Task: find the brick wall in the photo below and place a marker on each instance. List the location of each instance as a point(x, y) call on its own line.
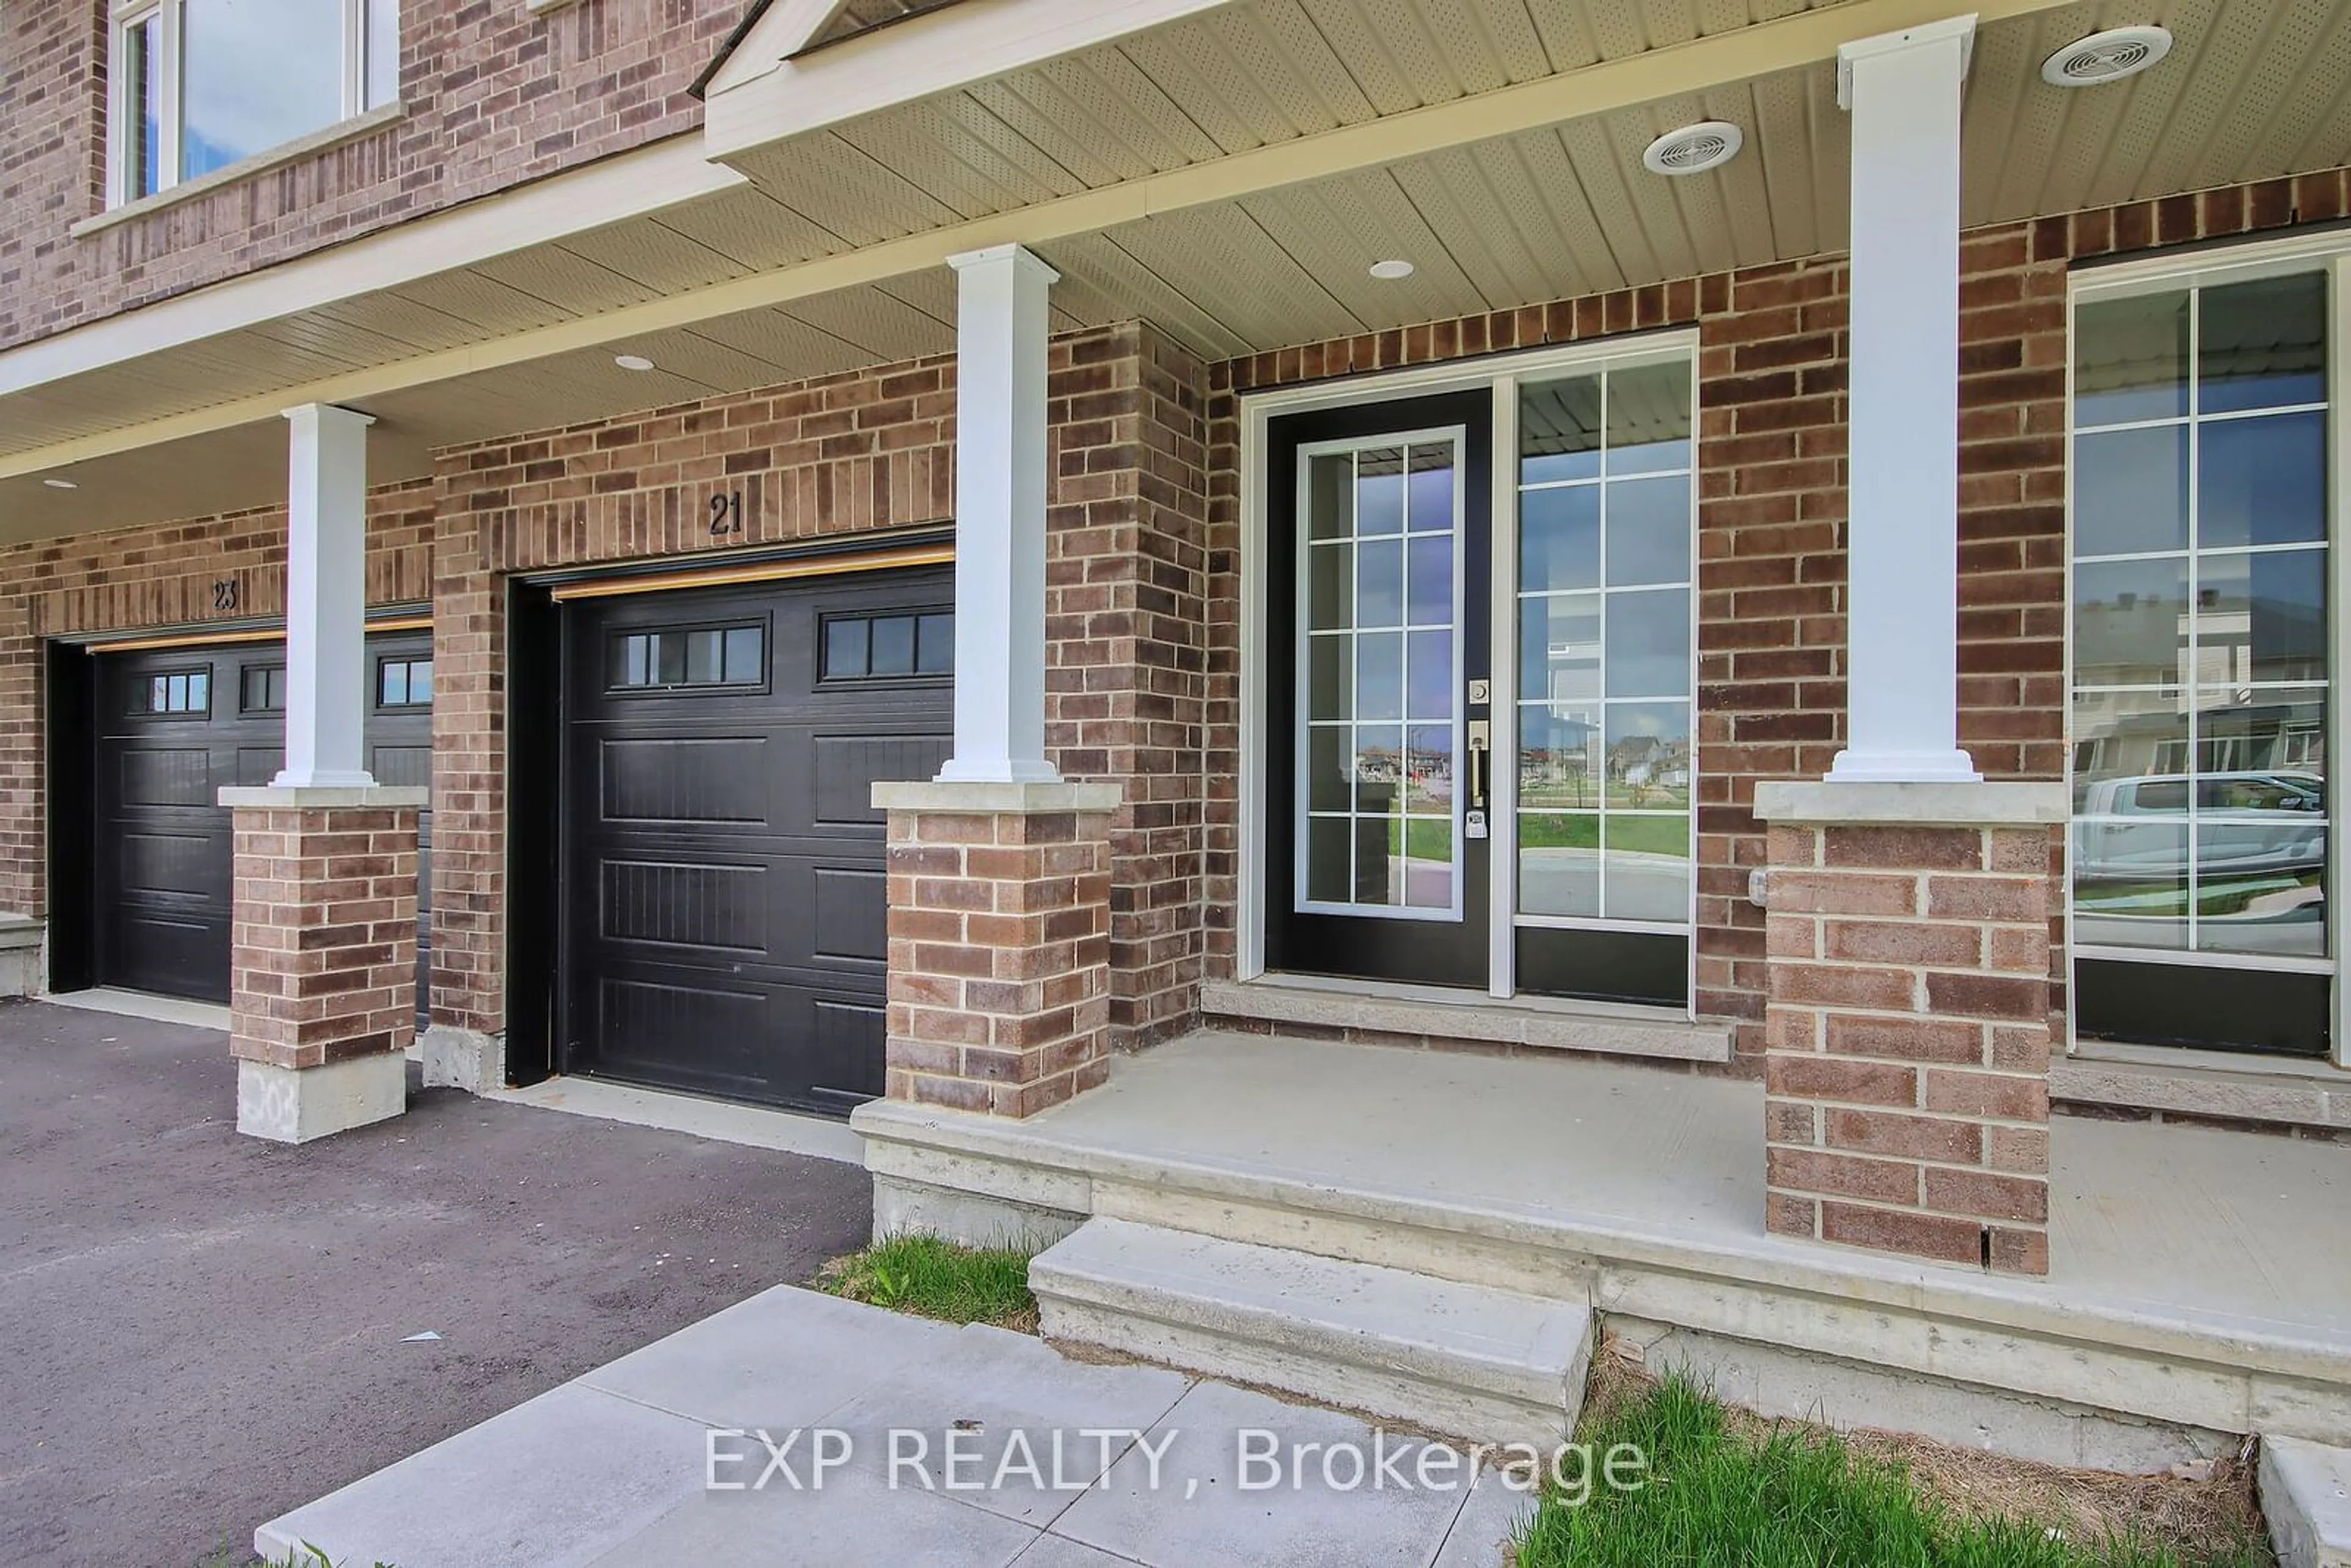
point(495, 97)
point(1907, 1063)
point(870, 449)
point(1125, 608)
point(153, 577)
point(1772, 517)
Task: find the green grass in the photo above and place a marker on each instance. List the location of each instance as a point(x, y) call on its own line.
point(1731, 1494)
point(307, 1556)
point(933, 1278)
point(1651, 835)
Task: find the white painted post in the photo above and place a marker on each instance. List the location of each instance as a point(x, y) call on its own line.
point(326, 600)
point(1001, 324)
point(1903, 538)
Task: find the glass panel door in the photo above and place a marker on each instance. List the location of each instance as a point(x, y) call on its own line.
point(1379, 812)
point(2200, 664)
point(1378, 614)
point(1605, 757)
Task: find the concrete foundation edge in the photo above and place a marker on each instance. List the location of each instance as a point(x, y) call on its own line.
point(290, 1105)
point(974, 1219)
point(1795, 1386)
point(462, 1058)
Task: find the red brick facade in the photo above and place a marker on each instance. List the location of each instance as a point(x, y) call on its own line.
point(1145, 569)
point(154, 578)
point(999, 995)
point(1906, 1066)
point(1771, 512)
point(494, 96)
point(323, 955)
point(869, 450)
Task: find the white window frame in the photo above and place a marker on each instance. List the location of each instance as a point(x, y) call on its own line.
point(2328, 254)
point(122, 106)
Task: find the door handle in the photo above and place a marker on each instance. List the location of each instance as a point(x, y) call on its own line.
point(1481, 743)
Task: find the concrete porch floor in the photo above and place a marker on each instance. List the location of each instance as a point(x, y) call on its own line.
point(2200, 1280)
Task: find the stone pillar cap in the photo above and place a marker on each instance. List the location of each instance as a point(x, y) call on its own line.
point(988, 796)
point(2004, 805)
point(305, 797)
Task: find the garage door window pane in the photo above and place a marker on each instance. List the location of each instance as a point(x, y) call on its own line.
point(845, 650)
point(705, 655)
point(935, 645)
point(894, 645)
point(746, 656)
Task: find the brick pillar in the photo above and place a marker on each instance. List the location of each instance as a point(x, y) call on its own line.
point(999, 942)
point(1906, 1032)
point(322, 1001)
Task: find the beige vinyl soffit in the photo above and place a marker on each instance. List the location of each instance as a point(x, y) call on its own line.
point(1787, 44)
point(612, 190)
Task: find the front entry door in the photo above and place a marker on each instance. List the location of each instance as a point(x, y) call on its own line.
point(1377, 647)
point(1479, 687)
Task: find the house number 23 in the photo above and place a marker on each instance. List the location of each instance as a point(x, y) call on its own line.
point(726, 514)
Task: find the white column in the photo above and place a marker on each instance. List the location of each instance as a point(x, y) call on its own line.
point(1001, 323)
point(1903, 538)
point(326, 600)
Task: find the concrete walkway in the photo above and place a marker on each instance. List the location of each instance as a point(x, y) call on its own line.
point(940, 1447)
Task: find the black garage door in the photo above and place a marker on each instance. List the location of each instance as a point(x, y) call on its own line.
point(723, 903)
point(175, 725)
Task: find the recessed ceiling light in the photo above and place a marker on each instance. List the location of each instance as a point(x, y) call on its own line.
point(632, 362)
point(61, 484)
point(1390, 271)
point(1694, 149)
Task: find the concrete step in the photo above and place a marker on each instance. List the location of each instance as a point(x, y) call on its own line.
point(2306, 1497)
point(1464, 1360)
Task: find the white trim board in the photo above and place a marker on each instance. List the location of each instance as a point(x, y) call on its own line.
point(763, 95)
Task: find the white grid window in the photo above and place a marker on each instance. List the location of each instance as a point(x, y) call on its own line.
point(1606, 753)
point(1379, 589)
point(198, 84)
point(2201, 621)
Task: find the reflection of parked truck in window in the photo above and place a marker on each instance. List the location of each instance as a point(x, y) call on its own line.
point(2136, 828)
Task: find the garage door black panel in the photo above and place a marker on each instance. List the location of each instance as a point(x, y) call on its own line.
point(723, 909)
point(172, 727)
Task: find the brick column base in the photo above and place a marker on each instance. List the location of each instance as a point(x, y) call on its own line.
point(1907, 1031)
point(322, 989)
point(999, 942)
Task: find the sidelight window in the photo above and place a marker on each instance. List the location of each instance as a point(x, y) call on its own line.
point(199, 85)
point(2201, 621)
point(1605, 760)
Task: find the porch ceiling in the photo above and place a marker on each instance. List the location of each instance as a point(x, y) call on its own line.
point(823, 261)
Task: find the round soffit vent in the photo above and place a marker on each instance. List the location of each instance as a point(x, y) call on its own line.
point(2110, 55)
point(1694, 149)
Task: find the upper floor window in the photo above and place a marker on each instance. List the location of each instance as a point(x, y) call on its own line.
point(201, 84)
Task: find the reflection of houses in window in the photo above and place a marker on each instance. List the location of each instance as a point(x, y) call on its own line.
point(1650, 760)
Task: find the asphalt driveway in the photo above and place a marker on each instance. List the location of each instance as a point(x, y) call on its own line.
point(199, 1330)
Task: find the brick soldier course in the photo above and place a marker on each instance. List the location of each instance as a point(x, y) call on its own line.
point(322, 965)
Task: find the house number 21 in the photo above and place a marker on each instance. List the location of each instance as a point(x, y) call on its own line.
point(726, 514)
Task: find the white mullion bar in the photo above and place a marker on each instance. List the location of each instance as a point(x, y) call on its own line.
point(2338, 510)
point(1505, 499)
point(2192, 677)
point(170, 40)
